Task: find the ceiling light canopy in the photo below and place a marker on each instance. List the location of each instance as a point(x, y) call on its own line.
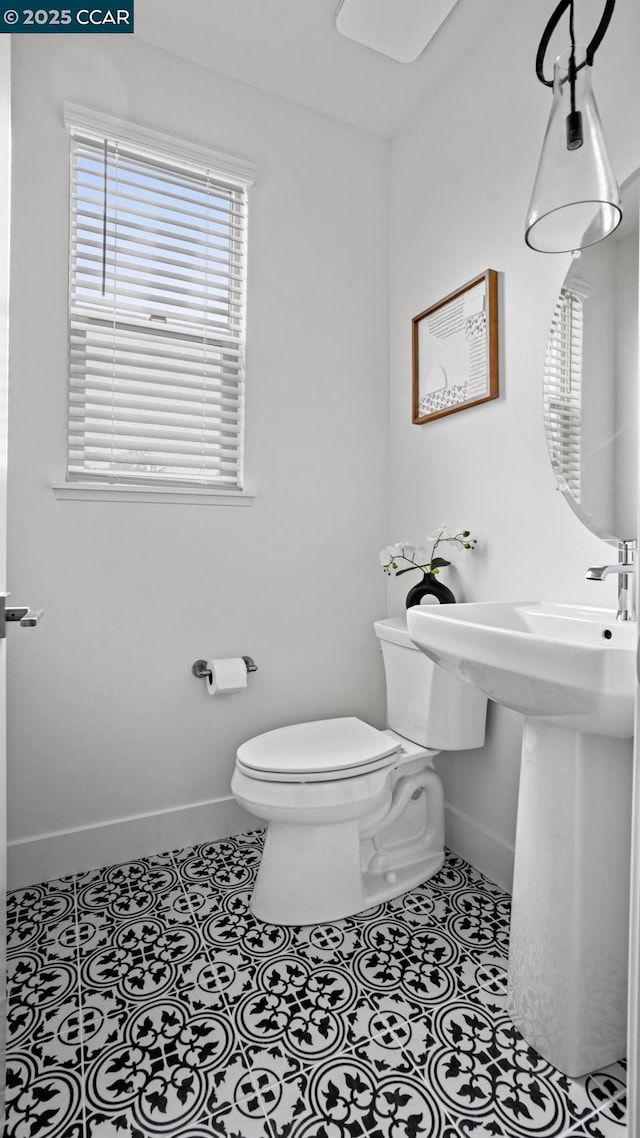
point(400, 29)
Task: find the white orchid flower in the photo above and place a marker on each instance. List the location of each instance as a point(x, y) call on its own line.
point(439, 532)
point(403, 556)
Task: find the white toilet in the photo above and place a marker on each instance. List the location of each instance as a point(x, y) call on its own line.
point(356, 815)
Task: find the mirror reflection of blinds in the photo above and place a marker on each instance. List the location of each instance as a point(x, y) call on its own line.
point(562, 389)
point(157, 326)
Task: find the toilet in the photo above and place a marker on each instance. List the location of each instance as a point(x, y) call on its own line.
point(356, 815)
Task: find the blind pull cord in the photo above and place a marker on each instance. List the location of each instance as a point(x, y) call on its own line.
point(104, 218)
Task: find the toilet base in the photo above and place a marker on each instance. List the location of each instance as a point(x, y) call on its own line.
point(308, 874)
point(312, 873)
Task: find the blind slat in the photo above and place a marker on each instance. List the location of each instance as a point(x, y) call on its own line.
point(119, 193)
point(177, 174)
point(562, 389)
point(139, 457)
point(137, 308)
point(134, 219)
point(150, 333)
point(159, 304)
point(85, 262)
point(129, 351)
point(99, 391)
point(133, 414)
point(190, 424)
point(94, 371)
point(131, 438)
point(139, 477)
point(153, 238)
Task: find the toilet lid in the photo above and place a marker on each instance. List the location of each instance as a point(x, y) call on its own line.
point(323, 747)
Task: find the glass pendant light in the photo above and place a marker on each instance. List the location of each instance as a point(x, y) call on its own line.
point(576, 198)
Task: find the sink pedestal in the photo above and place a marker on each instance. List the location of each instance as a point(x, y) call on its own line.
point(570, 919)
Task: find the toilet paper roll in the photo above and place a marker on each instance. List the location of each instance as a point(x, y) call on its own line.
point(228, 674)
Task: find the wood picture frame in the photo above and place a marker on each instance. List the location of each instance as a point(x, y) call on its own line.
point(455, 350)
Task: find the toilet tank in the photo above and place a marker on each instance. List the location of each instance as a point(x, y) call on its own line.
point(424, 703)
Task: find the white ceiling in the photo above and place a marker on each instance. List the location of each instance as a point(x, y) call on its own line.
point(292, 48)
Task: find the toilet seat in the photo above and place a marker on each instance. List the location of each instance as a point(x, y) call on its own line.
point(320, 751)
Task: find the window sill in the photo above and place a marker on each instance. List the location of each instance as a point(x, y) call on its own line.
point(165, 495)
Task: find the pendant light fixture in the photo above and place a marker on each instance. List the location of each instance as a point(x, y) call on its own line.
point(576, 198)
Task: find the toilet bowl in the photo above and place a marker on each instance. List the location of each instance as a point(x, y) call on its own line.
point(356, 815)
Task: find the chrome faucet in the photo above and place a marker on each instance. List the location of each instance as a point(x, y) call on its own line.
point(625, 569)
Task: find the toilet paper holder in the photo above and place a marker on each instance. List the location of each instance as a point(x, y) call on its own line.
point(201, 671)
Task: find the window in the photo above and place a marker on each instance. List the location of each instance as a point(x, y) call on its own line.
point(157, 308)
point(562, 389)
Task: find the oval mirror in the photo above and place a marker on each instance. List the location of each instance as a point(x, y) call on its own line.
point(591, 379)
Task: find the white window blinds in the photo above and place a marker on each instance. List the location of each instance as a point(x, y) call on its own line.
point(562, 389)
point(157, 314)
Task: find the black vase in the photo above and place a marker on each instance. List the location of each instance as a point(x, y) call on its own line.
point(430, 586)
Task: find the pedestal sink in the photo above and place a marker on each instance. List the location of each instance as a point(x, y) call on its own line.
point(570, 670)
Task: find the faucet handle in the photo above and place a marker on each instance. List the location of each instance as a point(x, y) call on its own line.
point(627, 551)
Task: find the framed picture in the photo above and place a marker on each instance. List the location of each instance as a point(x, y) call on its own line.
point(455, 350)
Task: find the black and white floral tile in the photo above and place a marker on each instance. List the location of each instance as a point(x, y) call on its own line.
point(145, 1000)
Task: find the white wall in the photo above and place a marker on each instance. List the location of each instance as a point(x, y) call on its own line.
point(462, 173)
point(106, 720)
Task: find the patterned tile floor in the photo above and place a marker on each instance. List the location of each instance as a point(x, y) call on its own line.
point(145, 1000)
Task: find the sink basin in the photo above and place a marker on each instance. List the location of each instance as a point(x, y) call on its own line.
point(571, 665)
point(571, 671)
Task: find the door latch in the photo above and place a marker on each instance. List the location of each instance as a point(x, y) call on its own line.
point(25, 617)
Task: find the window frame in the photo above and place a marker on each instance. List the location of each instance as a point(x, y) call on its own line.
point(234, 171)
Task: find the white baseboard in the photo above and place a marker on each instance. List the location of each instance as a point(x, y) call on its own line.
point(484, 849)
point(49, 856)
